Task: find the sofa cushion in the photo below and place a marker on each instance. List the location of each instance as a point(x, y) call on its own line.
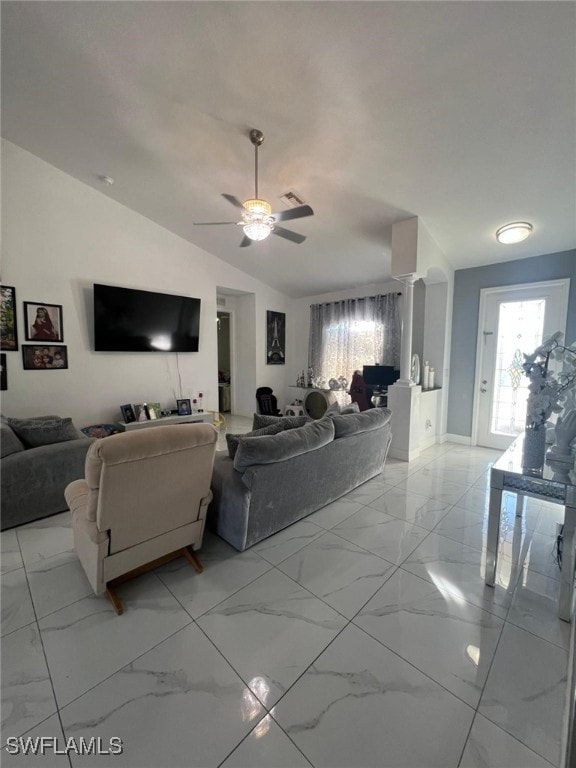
point(232, 440)
point(353, 423)
point(285, 445)
point(288, 422)
point(44, 430)
point(9, 442)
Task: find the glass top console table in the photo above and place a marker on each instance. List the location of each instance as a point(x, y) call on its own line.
point(556, 483)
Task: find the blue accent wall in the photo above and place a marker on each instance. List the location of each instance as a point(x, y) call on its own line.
point(467, 285)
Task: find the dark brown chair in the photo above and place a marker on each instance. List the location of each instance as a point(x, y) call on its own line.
point(267, 402)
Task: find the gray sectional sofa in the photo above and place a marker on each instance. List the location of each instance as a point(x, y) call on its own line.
point(275, 480)
point(39, 458)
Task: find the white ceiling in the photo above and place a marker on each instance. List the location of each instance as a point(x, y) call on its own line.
point(460, 113)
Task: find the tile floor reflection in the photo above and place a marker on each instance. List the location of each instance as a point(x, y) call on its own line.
point(363, 636)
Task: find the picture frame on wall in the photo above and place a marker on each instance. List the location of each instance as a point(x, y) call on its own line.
point(3, 372)
point(8, 322)
point(184, 407)
point(275, 338)
point(43, 357)
point(128, 413)
point(43, 321)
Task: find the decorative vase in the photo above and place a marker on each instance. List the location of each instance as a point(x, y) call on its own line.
point(534, 451)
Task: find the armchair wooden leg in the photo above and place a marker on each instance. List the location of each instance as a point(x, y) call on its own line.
point(193, 559)
point(111, 586)
point(114, 599)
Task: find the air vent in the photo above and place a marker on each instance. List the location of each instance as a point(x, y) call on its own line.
point(293, 199)
point(220, 301)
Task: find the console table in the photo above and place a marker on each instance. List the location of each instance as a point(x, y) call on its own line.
point(507, 475)
point(165, 420)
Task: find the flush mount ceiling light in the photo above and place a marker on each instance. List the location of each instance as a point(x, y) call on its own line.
point(514, 232)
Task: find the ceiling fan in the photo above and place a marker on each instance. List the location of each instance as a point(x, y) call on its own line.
point(258, 221)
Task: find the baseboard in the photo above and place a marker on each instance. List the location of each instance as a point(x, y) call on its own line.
point(428, 442)
point(402, 455)
point(462, 439)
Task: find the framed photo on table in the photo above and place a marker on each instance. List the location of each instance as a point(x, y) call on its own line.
point(141, 412)
point(154, 411)
point(128, 414)
point(8, 328)
point(184, 407)
point(43, 322)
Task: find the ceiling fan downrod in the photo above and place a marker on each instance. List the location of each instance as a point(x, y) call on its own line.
point(256, 137)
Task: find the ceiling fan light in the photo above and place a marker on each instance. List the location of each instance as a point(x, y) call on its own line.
point(260, 207)
point(514, 232)
point(258, 230)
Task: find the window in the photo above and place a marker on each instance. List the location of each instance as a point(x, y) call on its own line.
point(346, 335)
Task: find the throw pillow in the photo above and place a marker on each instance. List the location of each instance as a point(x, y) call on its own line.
point(100, 430)
point(352, 408)
point(9, 443)
point(352, 423)
point(233, 440)
point(334, 408)
point(288, 422)
point(285, 445)
point(45, 430)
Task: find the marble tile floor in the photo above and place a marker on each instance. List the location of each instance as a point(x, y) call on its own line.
point(361, 637)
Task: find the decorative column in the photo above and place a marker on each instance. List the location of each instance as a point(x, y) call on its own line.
point(408, 281)
point(404, 395)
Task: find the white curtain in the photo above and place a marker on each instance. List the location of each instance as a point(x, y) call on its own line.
point(346, 335)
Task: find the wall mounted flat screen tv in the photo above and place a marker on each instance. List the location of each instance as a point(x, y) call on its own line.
point(128, 320)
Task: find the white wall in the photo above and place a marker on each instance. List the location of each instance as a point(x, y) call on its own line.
point(244, 351)
point(59, 237)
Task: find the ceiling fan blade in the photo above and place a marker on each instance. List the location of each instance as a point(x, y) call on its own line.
point(245, 241)
point(293, 213)
point(234, 201)
point(288, 235)
point(211, 223)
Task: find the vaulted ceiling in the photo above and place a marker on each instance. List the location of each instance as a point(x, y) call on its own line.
point(460, 113)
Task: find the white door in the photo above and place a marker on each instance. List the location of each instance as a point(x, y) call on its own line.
point(513, 320)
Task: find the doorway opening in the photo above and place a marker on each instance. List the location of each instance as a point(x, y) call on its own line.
point(224, 362)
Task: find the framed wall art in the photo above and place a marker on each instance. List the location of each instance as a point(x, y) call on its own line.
point(44, 357)
point(275, 338)
point(43, 322)
point(8, 327)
